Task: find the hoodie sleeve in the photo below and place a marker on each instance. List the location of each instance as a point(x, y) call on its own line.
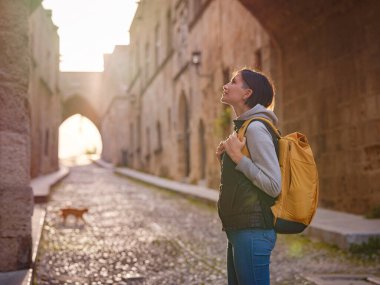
point(263, 168)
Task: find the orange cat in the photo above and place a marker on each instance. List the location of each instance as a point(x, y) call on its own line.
point(78, 213)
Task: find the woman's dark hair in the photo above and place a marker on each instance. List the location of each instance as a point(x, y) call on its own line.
point(261, 86)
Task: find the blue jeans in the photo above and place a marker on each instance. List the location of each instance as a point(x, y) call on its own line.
point(248, 256)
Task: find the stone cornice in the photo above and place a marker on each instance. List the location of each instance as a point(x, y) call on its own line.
point(44, 83)
point(199, 14)
point(134, 80)
point(182, 70)
point(114, 99)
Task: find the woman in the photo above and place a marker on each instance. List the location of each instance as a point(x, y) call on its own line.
point(249, 186)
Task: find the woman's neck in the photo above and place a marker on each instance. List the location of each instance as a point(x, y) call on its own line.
point(239, 110)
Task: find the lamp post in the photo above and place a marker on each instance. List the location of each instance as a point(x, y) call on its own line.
point(196, 60)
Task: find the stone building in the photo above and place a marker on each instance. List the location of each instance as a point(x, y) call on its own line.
point(114, 121)
point(16, 197)
point(44, 93)
point(175, 116)
point(321, 57)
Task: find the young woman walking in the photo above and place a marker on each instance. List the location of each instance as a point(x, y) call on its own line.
point(249, 185)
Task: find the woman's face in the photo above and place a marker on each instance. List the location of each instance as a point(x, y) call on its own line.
point(233, 92)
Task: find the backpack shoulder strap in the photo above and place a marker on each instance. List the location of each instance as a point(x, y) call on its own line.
point(266, 122)
point(270, 124)
point(270, 127)
point(243, 128)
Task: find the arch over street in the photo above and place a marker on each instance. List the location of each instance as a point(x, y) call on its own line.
point(77, 104)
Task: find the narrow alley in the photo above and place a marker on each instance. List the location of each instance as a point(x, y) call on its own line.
point(124, 112)
point(138, 234)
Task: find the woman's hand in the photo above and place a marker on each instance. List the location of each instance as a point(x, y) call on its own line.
point(233, 147)
point(219, 151)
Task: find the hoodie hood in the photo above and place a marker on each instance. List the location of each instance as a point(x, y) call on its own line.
point(259, 111)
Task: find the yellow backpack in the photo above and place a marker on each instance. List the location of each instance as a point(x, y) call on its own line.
point(296, 205)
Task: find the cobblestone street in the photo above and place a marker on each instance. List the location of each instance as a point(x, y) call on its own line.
point(137, 234)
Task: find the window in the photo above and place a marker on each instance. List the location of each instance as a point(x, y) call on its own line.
point(197, 6)
point(46, 149)
point(169, 31)
point(182, 31)
point(137, 57)
point(139, 131)
point(147, 153)
point(147, 61)
point(202, 149)
point(169, 119)
point(157, 45)
point(258, 60)
point(159, 137)
point(131, 137)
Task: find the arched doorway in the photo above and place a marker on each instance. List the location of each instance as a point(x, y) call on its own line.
point(183, 137)
point(202, 150)
point(79, 140)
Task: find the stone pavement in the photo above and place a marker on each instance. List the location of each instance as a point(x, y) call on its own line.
point(133, 235)
point(139, 234)
point(333, 227)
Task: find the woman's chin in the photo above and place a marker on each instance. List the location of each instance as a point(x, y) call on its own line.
point(224, 100)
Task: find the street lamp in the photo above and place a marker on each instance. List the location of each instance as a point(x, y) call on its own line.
point(196, 59)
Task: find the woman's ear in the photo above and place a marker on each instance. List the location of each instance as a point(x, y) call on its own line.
point(248, 93)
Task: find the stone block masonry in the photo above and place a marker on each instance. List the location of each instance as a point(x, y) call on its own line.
point(15, 194)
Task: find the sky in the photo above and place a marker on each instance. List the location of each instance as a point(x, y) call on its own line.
point(90, 28)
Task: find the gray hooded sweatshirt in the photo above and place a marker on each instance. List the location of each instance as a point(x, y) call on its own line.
point(263, 168)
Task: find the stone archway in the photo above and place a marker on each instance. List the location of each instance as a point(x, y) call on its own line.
point(183, 137)
point(77, 104)
point(79, 136)
point(328, 73)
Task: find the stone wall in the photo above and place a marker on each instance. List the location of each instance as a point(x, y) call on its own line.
point(175, 112)
point(16, 198)
point(114, 128)
point(331, 91)
point(81, 94)
point(114, 122)
point(114, 78)
point(44, 93)
point(321, 57)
